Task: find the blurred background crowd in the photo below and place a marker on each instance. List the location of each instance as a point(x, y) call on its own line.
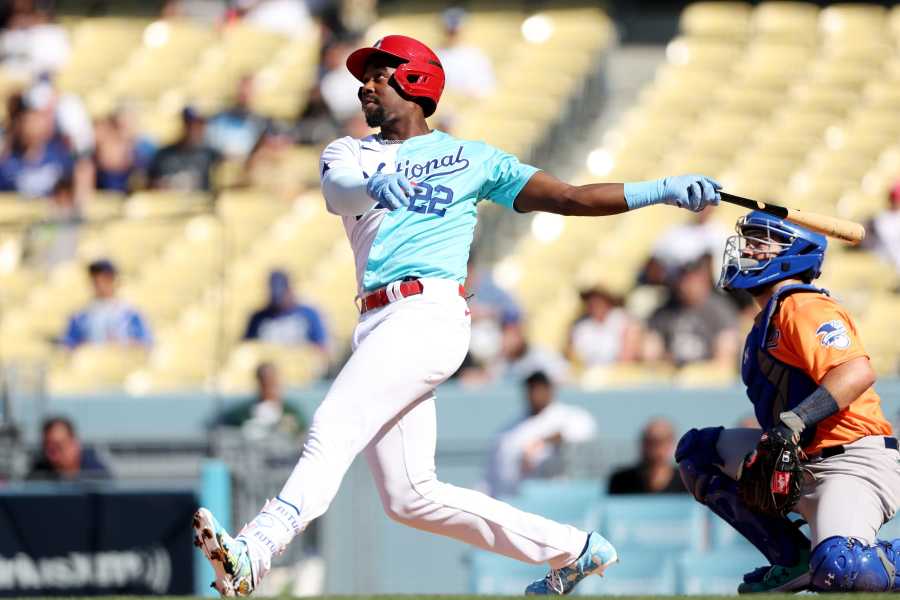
point(164, 248)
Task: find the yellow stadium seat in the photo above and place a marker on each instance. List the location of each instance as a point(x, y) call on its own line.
point(729, 20)
point(705, 374)
point(626, 376)
point(796, 22)
point(851, 21)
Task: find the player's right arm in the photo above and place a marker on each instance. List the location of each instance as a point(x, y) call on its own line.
point(546, 193)
point(349, 191)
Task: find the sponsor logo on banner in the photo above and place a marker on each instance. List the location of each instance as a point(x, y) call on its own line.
point(833, 334)
point(127, 569)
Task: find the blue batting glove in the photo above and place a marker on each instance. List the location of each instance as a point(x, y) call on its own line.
point(390, 190)
point(693, 192)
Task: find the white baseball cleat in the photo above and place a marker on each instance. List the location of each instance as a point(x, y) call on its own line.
point(230, 558)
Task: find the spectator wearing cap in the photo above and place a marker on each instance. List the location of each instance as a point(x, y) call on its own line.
point(885, 228)
point(35, 157)
point(655, 472)
point(695, 324)
point(467, 69)
point(63, 457)
point(531, 446)
point(605, 334)
point(234, 132)
point(284, 320)
point(187, 164)
point(107, 319)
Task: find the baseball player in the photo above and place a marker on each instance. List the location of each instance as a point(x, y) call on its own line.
point(407, 199)
point(810, 383)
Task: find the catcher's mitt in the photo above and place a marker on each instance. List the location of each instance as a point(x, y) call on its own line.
point(772, 476)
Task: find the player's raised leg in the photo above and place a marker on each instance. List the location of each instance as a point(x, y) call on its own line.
point(401, 459)
point(404, 350)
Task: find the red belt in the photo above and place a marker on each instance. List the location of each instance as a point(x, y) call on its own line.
point(398, 289)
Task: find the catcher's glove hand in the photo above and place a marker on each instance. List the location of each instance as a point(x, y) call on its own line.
point(772, 476)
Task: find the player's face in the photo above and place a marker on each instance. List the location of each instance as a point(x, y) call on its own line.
point(379, 99)
point(759, 245)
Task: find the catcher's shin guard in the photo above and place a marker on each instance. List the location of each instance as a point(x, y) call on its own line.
point(779, 540)
point(840, 564)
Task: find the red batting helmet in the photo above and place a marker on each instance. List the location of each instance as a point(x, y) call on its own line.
point(420, 75)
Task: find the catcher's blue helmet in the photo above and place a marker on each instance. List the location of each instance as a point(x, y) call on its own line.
point(768, 249)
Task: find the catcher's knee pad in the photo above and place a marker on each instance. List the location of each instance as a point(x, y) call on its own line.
point(697, 458)
point(841, 564)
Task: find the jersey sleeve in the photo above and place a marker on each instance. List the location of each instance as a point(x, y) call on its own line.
point(506, 177)
point(339, 154)
point(817, 336)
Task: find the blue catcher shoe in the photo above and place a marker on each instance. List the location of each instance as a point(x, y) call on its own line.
point(598, 555)
point(230, 558)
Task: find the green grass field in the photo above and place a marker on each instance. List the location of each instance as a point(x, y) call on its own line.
point(437, 597)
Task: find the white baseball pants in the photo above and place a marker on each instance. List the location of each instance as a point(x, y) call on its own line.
point(382, 403)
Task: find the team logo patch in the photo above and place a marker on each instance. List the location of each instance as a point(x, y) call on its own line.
point(773, 337)
point(833, 334)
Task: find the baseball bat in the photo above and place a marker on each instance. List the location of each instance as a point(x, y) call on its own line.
point(842, 229)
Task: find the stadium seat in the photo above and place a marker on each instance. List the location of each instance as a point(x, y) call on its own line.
point(576, 502)
point(642, 570)
point(728, 20)
point(496, 575)
point(715, 573)
point(723, 538)
point(661, 522)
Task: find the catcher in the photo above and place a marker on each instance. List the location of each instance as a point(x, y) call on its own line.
point(826, 450)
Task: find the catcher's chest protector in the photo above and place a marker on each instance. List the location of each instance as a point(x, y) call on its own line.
point(772, 385)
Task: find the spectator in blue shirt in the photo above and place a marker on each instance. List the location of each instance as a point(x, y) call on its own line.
point(234, 132)
point(107, 319)
point(35, 158)
point(284, 320)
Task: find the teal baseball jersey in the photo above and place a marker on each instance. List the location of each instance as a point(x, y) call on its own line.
point(431, 237)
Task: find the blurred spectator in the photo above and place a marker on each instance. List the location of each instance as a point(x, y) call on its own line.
point(235, 132)
point(107, 319)
point(338, 87)
point(63, 458)
point(35, 158)
point(885, 228)
point(287, 17)
point(530, 447)
point(655, 473)
point(696, 324)
point(187, 164)
point(122, 156)
point(266, 167)
point(208, 12)
point(266, 413)
point(491, 309)
point(748, 422)
point(31, 42)
point(605, 334)
point(689, 242)
point(519, 358)
point(55, 240)
point(284, 320)
point(467, 69)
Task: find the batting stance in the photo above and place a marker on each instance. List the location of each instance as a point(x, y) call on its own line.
point(826, 451)
point(407, 199)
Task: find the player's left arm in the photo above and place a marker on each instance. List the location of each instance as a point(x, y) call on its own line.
point(823, 337)
point(546, 193)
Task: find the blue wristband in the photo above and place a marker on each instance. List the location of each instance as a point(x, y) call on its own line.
point(639, 194)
